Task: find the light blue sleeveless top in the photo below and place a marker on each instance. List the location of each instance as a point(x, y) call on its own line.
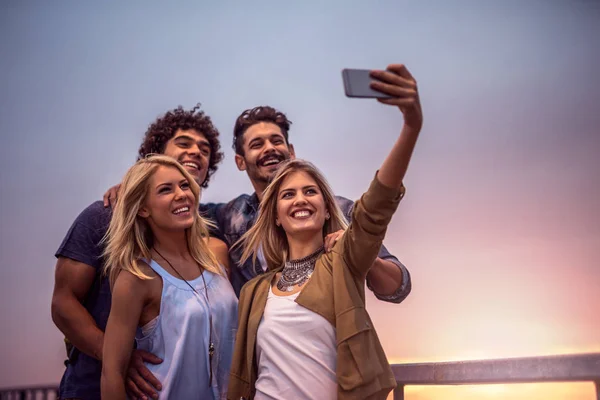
point(180, 336)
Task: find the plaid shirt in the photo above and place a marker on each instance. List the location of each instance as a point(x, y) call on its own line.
point(236, 217)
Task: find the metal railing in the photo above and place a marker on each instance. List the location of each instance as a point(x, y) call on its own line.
point(563, 368)
point(29, 393)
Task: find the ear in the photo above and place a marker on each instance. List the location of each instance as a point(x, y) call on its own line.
point(240, 162)
point(277, 222)
point(292, 152)
point(327, 216)
point(143, 212)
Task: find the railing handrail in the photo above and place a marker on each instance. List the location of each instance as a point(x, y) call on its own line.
point(559, 368)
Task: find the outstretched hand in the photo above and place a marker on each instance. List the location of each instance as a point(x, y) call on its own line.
point(397, 81)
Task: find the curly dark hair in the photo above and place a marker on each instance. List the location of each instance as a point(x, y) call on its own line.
point(254, 116)
point(165, 127)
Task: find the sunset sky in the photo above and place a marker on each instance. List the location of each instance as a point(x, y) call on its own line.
point(499, 227)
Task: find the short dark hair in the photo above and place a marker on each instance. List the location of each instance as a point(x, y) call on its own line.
point(166, 126)
point(254, 116)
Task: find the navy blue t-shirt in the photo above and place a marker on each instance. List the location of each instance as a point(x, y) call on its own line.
point(82, 243)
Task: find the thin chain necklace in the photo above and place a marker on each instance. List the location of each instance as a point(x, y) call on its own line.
point(296, 272)
point(211, 346)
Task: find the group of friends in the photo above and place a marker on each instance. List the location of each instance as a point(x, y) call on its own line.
point(263, 297)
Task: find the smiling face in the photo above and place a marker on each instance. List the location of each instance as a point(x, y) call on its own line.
point(264, 149)
point(192, 150)
point(300, 205)
point(169, 203)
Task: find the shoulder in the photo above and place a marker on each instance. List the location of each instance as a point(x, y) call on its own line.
point(257, 282)
point(346, 205)
point(344, 202)
point(83, 240)
point(240, 203)
point(93, 218)
point(129, 284)
point(95, 214)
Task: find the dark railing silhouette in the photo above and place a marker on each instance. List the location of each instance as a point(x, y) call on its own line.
point(29, 393)
point(562, 368)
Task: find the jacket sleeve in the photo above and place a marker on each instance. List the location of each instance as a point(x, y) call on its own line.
point(347, 207)
point(372, 213)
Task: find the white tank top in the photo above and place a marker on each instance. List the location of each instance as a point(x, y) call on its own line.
point(296, 352)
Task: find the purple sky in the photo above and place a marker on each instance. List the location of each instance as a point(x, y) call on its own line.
point(499, 226)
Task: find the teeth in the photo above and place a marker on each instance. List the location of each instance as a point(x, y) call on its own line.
point(189, 164)
point(180, 210)
point(271, 161)
point(300, 214)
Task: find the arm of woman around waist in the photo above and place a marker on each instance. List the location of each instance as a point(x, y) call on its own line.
point(128, 298)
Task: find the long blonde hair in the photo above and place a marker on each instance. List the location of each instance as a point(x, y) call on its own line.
point(129, 237)
point(273, 238)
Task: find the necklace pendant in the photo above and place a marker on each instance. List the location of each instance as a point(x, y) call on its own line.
point(211, 349)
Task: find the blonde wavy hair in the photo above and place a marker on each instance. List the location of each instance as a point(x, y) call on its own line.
point(129, 237)
point(271, 237)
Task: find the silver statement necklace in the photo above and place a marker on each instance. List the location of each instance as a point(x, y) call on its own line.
point(296, 272)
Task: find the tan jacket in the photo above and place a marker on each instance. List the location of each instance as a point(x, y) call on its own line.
point(336, 291)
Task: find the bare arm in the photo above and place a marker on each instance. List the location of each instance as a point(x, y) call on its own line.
point(72, 281)
point(128, 299)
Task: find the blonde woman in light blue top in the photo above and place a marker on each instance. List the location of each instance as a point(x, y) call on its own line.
point(166, 281)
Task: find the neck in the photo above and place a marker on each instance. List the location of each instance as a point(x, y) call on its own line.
point(173, 244)
point(301, 246)
point(259, 188)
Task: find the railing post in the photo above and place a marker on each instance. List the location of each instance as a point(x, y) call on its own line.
point(399, 392)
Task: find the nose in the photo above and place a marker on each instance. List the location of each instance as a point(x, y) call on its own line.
point(194, 149)
point(299, 199)
point(269, 146)
point(179, 193)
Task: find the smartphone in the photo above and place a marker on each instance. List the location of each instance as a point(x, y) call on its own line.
point(357, 84)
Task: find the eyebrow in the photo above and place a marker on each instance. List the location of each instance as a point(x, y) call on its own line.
point(269, 136)
point(169, 184)
point(191, 139)
point(303, 188)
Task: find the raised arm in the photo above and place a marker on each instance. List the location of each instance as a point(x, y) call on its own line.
point(374, 210)
point(128, 299)
point(397, 81)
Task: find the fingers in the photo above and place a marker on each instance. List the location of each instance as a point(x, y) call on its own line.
point(331, 240)
point(135, 390)
point(393, 78)
point(149, 357)
point(400, 102)
point(401, 70)
point(393, 90)
point(106, 198)
point(140, 381)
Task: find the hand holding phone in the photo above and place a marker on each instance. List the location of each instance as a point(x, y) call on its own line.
point(357, 84)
